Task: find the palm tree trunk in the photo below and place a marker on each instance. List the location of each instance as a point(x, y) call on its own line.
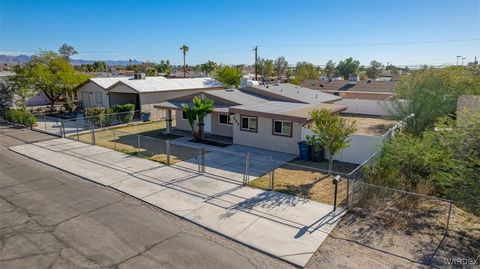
point(184, 66)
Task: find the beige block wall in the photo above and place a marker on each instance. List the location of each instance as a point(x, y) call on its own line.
point(91, 88)
point(181, 124)
point(264, 138)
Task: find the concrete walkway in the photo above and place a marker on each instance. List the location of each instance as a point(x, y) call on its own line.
point(284, 226)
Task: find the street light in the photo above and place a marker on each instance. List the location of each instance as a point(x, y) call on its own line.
point(458, 57)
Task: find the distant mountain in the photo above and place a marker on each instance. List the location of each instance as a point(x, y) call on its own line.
point(9, 59)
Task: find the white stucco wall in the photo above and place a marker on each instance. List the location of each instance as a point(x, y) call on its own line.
point(360, 149)
point(367, 107)
point(90, 89)
point(264, 138)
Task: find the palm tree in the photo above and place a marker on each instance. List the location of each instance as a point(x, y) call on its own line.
point(208, 67)
point(197, 111)
point(184, 50)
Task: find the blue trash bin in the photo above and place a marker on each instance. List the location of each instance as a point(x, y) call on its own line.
point(303, 151)
point(145, 116)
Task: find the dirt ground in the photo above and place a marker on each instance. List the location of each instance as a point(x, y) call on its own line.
point(381, 236)
point(370, 125)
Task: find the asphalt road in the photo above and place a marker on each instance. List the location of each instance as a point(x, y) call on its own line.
point(51, 219)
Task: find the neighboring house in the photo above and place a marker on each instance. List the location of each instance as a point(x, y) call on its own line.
point(268, 117)
point(360, 89)
point(142, 91)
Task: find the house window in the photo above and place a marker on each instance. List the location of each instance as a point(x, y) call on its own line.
point(184, 115)
point(226, 119)
point(248, 124)
point(281, 127)
point(98, 97)
point(75, 96)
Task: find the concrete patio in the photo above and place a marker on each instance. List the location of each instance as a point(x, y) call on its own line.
point(281, 225)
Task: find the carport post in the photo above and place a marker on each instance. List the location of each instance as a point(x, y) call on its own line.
point(168, 121)
point(199, 156)
point(167, 148)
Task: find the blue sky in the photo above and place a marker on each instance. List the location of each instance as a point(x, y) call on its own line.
point(400, 32)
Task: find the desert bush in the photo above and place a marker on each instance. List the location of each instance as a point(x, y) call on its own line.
point(20, 116)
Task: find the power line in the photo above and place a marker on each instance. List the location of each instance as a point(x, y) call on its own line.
point(374, 44)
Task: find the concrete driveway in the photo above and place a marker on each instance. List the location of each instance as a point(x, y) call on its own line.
point(230, 162)
point(53, 219)
point(285, 226)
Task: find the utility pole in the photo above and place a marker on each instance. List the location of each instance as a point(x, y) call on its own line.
point(463, 58)
point(256, 65)
point(458, 57)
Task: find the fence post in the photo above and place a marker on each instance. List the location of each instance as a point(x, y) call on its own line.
point(448, 219)
point(45, 121)
point(167, 148)
point(62, 128)
point(336, 179)
point(245, 175)
point(93, 134)
point(272, 179)
point(199, 156)
point(114, 140)
point(348, 192)
point(203, 159)
point(76, 129)
point(138, 140)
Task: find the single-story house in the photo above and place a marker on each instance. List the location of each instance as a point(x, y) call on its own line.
point(142, 91)
point(272, 117)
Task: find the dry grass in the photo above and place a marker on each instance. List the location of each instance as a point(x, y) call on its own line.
point(126, 141)
point(371, 125)
point(303, 182)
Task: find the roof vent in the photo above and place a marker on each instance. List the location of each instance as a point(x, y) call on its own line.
point(369, 81)
point(139, 76)
point(316, 95)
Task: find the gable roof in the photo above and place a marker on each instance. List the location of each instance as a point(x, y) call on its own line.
point(107, 82)
point(157, 84)
point(292, 93)
point(279, 110)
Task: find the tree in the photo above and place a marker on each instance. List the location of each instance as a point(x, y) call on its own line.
point(305, 70)
point(331, 132)
point(208, 67)
point(374, 70)
point(66, 51)
point(196, 113)
point(430, 94)
point(265, 68)
point(164, 67)
point(281, 66)
point(330, 69)
point(99, 66)
point(229, 76)
point(51, 74)
point(348, 67)
point(151, 72)
point(6, 94)
point(184, 50)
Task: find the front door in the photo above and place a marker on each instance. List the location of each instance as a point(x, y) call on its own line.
point(207, 128)
point(86, 99)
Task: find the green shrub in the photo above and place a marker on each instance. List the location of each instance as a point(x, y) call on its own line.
point(102, 117)
point(125, 112)
point(20, 117)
